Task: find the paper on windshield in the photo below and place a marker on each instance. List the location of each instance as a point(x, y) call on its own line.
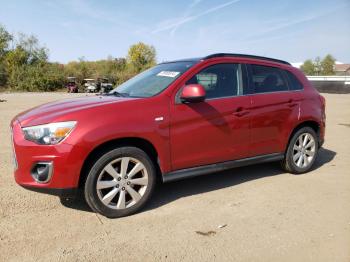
point(168, 73)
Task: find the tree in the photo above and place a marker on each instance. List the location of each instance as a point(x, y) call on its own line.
point(39, 77)
point(5, 39)
point(80, 69)
point(141, 56)
point(327, 65)
point(28, 69)
point(308, 68)
point(30, 44)
point(27, 52)
point(16, 58)
point(318, 65)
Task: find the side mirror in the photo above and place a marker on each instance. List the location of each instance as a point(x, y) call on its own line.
point(193, 93)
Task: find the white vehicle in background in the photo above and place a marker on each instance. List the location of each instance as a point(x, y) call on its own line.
point(90, 85)
point(105, 85)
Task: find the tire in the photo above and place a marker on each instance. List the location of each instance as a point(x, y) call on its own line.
point(120, 182)
point(299, 158)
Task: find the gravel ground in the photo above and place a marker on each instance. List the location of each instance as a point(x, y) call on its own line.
point(264, 213)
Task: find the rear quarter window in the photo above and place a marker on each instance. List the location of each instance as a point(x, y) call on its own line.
point(294, 83)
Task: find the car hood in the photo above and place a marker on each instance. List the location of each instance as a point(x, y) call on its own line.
point(55, 110)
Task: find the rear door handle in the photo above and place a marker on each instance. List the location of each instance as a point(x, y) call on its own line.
point(240, 111)
point(291, 103)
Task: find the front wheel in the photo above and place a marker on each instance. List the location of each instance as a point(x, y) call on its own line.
point(302, 151)
point(120, 182)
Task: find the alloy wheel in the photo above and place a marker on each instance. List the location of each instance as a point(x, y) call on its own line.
point(122, 183)
point(304, 150)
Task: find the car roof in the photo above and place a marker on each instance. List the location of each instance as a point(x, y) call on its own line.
point(193, 59)
point(216, 55)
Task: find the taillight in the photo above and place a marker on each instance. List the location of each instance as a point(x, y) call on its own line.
point(323, 101)
point(323, 104)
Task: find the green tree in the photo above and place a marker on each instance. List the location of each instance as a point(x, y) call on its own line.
point(318, 65)
point(308, 68)
point(16, 57)
point(30, 44)
point(80, 69)
point(327, 65)
point(141, 56)
point(5, 39)
point(3, 74)
point(28, 68)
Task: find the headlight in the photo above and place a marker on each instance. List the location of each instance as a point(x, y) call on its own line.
point(49, 134)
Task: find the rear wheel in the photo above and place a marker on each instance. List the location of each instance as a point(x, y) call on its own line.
point(120, 182)
point(302, 151)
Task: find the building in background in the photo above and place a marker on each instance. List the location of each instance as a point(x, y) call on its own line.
point(342, 69)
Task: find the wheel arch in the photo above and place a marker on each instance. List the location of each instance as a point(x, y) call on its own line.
point(307, 123)
point(99, 150)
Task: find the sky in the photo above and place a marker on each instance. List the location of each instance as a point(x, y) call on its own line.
point(293, 30)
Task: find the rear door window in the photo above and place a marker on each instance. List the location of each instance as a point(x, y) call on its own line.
point(267, 79)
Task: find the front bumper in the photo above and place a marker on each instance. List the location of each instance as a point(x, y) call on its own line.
point(66, 159)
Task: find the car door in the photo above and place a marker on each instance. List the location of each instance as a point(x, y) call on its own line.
point(217, 129)
point(272, 107)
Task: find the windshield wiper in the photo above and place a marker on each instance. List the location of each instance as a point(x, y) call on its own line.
point(116, 93)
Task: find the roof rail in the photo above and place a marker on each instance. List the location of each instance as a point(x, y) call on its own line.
point(246, 56)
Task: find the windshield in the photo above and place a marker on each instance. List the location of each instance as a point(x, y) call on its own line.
point(153, 80)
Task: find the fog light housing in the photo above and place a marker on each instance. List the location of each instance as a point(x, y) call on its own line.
point(42, 172)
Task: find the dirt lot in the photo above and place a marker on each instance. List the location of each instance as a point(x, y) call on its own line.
point(269, 215)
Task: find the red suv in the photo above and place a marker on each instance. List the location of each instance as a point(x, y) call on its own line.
point(176, 120)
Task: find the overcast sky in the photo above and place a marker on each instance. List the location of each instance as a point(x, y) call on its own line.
point(292, 30)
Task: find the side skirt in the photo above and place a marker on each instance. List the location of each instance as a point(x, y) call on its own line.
point(212, 168)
